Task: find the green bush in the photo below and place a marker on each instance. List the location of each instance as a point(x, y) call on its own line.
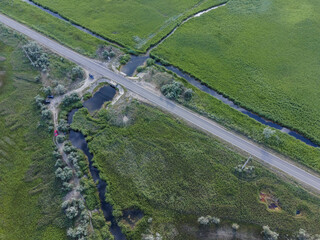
point(172, 90)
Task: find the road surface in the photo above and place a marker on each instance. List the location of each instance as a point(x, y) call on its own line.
point(205, 124)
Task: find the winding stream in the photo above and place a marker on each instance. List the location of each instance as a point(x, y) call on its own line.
point(78, 140)
point(136, 61)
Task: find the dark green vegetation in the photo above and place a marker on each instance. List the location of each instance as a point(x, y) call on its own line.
point(134, 23)
point(210, 107)
point(30, 198)
point(261, 53)
point(176, 174)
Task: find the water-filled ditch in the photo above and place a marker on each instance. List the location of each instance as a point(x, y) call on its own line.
point(78, 140)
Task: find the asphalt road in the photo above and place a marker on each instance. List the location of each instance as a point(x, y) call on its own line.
point(170, 106)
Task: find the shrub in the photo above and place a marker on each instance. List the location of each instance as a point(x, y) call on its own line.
point(215, 220)
point(124, 59)
point(77, 73)
point(46, 114)
point(63, 126)
point(235, 226)
point(59, 163)
point(172, 90)
point(150, 62)
point(60, 138)
point(140, 69)
point(65, 174)
point(268, 234)
point(268, 132)
point(203, 220)
point(47, 91)
point(188, 94)
point(303, 235)
point(70, 99)
point(39, 101)
point(56, 155)
point(60, 89)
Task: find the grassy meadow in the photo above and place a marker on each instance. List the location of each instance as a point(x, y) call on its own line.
point(175, 174)
point(136, 24)
point(263, 54)
point(30, 197)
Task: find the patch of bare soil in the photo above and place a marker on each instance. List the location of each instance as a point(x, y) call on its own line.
point(271, 201)
point(2, 59)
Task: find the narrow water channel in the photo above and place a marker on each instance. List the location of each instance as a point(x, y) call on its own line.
point(78, 140)
point(227, 101)
point(136, 61)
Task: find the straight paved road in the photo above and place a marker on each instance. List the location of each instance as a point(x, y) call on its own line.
point(169, 106)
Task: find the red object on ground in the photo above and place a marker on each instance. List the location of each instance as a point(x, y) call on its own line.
point(56, 133)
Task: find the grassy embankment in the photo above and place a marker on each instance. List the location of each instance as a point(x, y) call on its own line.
point(176, 174)
point(262, 54)
point(134, 24)
point(30, 197)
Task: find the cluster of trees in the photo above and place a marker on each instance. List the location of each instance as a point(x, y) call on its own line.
point(176, 89)
point(75, 208)
point(46, 114)
point(37, 57)
point(206, 220)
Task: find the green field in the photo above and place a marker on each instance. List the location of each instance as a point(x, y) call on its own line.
point(261, 53)
point(56, 29)
point(134, 23)
point(30, 197)
point(176, 174)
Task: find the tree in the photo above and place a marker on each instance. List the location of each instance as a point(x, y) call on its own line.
point(268, 234)
point(60, 89)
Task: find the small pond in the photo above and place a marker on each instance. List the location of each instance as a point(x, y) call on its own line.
point(104, 94)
